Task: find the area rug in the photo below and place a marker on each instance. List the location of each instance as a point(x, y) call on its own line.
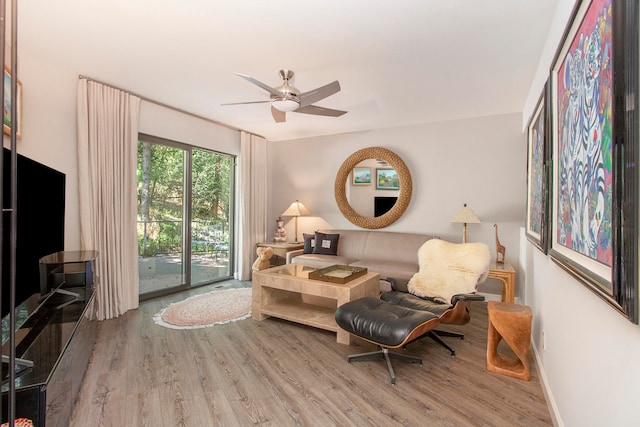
point(203, 311)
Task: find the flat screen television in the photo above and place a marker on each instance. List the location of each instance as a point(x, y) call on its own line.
point(40, 223)
point(382, 205)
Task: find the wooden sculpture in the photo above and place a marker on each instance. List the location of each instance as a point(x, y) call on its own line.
point(500, 250)
point(510, 323)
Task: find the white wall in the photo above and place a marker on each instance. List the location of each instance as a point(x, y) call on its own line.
point(590, 361)
point(166, 123)
point(478, 161)
point(49, 128)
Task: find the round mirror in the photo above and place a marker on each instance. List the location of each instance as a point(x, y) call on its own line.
point(404, 194)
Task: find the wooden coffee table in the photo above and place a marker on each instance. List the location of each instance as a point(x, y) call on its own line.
point(287, 293)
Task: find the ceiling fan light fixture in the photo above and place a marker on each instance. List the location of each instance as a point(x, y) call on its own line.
point(285, 105)
point(287, 98)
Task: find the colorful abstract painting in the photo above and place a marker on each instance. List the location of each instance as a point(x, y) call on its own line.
point(584, 152)
point(536, 173)
point(6, 116)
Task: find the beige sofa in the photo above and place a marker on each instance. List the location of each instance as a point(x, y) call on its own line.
point(390, 254)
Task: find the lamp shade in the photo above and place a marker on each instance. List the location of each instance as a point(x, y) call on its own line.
point(296, 209)
point(466, 216)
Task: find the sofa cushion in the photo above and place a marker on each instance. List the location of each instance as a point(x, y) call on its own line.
point(384, 245)
point(326, 244)
point(380, 245)
point(309, 243)
point(396, 269)
point(352, 243)
point(321, 261)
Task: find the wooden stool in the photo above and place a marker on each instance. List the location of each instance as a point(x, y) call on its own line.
point(511, 323)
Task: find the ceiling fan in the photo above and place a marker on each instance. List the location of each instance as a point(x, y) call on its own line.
point(286, 98)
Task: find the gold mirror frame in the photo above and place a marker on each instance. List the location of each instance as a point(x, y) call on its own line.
point(404, 197)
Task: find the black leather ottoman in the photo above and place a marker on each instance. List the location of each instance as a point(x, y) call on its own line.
point(386, 325)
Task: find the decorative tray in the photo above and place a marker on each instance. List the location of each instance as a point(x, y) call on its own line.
point(338, 273)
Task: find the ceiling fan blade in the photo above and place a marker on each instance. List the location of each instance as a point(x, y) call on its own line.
point(269, 89)
point(278, 116)
point(320, 111)
point(249, 102)
point(315, 95)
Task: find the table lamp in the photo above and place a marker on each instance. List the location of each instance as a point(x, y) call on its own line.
point(295, 210)
point(465, 216)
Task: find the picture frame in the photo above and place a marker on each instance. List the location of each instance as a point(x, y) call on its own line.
point(387, 179)
point(6, 117)
point(361, 176)
point(594, 154)
point(537, 214)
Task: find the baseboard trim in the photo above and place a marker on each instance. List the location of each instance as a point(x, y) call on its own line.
point(548, 394)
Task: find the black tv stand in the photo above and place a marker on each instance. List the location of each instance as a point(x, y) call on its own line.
point(21, 362)
point(63, 270)
point(54, 339)
point(21, 366)
point(61, 297)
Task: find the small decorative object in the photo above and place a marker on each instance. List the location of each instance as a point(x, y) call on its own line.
point(280, 234)
point(500, 250)
point(264, 255)
point(20, 422)
point(464, 216)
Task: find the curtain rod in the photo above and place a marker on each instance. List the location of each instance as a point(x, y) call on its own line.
point(162, 104)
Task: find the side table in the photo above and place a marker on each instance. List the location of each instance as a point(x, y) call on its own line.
point(507, 275)
point(280, 250)
point(510, 323)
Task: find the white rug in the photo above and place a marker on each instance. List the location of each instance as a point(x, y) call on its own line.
point(203, 311)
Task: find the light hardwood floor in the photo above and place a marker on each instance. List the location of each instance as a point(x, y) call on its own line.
point(276, 373)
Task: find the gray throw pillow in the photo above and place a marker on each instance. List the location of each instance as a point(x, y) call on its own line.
point(326, 244)
point(309, 243)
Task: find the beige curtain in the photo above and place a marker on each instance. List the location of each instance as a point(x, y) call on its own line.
point(107, 156)
point(252, 201)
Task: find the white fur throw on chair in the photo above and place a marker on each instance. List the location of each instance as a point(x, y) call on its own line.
point(447, 269)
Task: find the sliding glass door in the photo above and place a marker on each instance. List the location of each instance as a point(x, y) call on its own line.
point(185, 202)
point(160, 216)
point(211, 214)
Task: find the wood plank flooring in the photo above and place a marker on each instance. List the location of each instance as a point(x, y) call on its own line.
point(277, 373)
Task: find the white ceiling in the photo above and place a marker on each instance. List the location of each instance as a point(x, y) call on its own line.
point(399, 63)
